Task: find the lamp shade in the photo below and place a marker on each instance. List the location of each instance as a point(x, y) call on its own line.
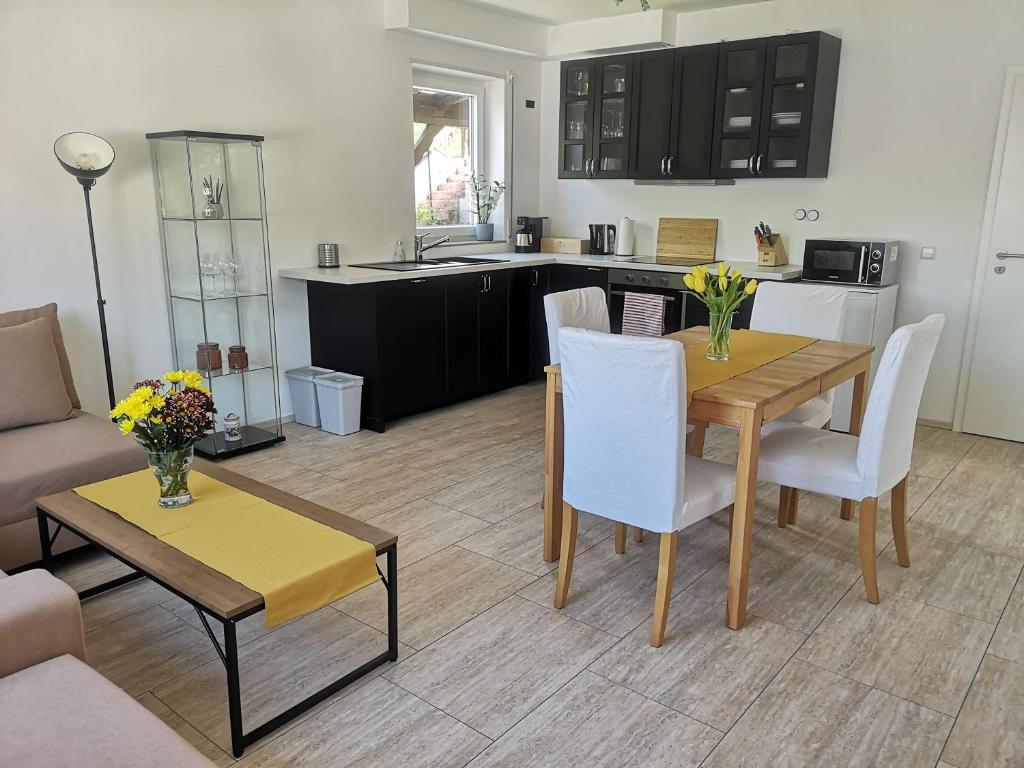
point(84, 155)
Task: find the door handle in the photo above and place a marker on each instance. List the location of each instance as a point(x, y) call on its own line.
point(1008, 255)
point(670, 165)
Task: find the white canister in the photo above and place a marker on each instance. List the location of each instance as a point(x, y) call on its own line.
point(624, 241)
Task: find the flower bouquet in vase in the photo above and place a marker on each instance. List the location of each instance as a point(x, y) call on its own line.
point(722, 294)
point(168, 418)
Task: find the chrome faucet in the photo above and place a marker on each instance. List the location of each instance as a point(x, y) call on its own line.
point(420, 246)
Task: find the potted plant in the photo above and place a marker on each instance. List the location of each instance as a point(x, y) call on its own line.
point(722, 294)
point(168, 420)
point(483, 199)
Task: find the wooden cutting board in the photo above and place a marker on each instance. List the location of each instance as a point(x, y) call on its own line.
point(686, 241)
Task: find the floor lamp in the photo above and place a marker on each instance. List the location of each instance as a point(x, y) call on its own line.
point(87, 157)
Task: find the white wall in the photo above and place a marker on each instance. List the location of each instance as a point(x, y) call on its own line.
point(918, 101)
point(323, 80)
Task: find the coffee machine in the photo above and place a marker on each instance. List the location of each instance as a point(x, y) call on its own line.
point(527, 237)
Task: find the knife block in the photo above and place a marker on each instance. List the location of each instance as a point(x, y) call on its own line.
point(773, 254)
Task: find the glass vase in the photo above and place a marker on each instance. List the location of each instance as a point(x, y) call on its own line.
point(718, 338)
point(171, 469)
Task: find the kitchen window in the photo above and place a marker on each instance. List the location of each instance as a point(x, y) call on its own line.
point(457, 134)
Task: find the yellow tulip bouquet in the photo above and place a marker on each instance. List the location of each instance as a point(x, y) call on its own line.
point(722, 294)
point(168, 420)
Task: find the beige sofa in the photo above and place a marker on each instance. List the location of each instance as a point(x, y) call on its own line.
point(55, 710)
point(47, 458)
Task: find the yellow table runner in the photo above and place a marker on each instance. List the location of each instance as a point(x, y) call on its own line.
point(747, 350)
point(297, 564)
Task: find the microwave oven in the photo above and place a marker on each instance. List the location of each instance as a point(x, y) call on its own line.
point(852, 262)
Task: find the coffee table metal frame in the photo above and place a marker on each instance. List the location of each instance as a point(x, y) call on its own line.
point(228, 653)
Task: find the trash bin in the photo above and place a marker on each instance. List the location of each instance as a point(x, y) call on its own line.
point(300, 382)
point(341, 398)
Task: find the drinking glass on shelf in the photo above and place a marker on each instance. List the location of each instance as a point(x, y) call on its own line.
point(229, 270)
point(209, 271)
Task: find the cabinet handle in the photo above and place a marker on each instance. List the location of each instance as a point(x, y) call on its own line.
point(759, 159)
point(670, 165)
point(421, 280)
point(750, 165)
point(593, 269)
point(536, 278)
point(663, 165)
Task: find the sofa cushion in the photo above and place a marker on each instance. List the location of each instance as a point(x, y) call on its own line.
point(64, 713)
point(31, 389)
point(49, 311)
point(48, 458)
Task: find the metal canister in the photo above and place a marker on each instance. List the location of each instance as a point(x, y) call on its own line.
point(327, 255)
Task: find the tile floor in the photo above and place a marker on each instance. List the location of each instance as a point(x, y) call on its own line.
point(491, 675)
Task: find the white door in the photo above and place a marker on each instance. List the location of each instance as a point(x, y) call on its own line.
point(996, 364)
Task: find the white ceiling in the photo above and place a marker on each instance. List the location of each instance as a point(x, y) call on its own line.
point(563, 11)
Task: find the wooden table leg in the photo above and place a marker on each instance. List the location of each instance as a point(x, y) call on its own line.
point(553, 455)
point(742, 530)
point(695, 439)
point(860, 391)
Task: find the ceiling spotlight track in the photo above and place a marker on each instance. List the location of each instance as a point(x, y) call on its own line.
point(644, 4)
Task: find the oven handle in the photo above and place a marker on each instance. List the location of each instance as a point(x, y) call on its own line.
point(623, 293)
point(861, 275)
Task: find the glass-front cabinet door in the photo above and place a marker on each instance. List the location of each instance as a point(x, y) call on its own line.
point(576, 119)
point(790, 66)
point(212, 212)
point(738, 118)
point(595, 117)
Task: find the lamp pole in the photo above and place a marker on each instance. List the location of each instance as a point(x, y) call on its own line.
point(87, 184)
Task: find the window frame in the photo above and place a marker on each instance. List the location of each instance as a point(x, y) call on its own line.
point(468, 86)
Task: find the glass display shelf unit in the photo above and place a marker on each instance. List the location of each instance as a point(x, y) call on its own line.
point(211, 203)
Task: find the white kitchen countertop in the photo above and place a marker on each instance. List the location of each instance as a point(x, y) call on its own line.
point(348, 275)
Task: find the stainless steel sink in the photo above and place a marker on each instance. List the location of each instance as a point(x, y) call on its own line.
point(413, 266)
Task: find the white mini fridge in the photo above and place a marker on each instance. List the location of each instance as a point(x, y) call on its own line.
point(870, 315)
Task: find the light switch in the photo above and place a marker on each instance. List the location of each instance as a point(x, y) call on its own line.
point(928, 252)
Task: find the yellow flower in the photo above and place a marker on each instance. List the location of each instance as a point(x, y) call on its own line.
point(751, 287)
point(126, 426)
point(688, 281)
point(156, 419)
point(735, 274)
point(699, 284)
point(174, 376)
point(723, 269)
point(723, 282)
point(192, 379)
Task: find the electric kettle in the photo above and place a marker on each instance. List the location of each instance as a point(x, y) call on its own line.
point(602, 239)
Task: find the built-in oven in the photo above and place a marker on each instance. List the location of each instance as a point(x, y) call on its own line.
point(667, 284)
point(854, 262)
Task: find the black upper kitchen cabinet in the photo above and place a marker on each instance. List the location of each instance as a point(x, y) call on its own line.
point(594, 118)
point(479, 348)
point(673, 113)
point(774, 106)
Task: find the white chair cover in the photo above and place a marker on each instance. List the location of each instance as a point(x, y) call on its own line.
point(858, 468)
point(624, 401)
point(580, 308)
point(802, 309)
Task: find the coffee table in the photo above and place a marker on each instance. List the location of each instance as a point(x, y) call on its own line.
point(211, 593)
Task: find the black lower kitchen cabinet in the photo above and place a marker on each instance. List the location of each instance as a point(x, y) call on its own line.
point(479, 333)
point(529, 339)
point(566, 277)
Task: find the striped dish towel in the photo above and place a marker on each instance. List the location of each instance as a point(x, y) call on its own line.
point(643, 314)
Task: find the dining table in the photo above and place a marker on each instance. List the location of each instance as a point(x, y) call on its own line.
point(747, 402)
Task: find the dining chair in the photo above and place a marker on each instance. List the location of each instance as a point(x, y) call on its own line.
point(862, 468)
point(579, 308)
point(624, 405)
point(803, 309)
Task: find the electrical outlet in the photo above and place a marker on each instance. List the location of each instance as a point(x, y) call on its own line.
point(928, 252)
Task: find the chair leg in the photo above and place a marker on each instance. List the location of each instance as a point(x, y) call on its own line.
point(620, 538)
point(827, 426)
point(666, 575)
point(732, 511)
point(846, 509)
point(695, 440)
point(785, 493)
point(638, 535)
point(570, 518)
point(899, 522)
point(868, 512)
point(794, 502)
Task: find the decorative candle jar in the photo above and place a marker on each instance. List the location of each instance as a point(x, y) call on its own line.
point(232, 427)
point(208, 356)
point(238, 358)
